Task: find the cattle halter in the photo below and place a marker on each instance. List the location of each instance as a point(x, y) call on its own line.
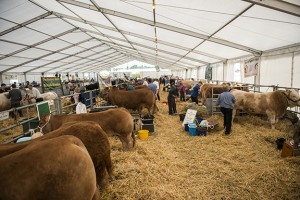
point(41, 128)
point(288, 95)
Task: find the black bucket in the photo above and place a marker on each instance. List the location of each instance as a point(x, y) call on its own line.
point(181, 116)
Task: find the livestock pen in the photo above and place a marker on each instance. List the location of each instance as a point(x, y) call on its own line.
point(173, 165)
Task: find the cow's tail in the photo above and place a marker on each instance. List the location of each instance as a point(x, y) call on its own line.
point(133, 138)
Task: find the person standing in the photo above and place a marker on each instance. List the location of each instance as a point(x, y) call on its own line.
point(173, 93)
point(152, 86)
point(195, 92)
point(157, 88)
point(15, 97)
point(3, 88)
point(182, 91)
point(35, 93)
point(226, 101)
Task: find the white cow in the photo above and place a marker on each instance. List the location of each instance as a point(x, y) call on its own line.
point(272, 104)
point(4, 102)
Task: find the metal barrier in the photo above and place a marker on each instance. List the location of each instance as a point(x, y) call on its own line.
point(58, 109)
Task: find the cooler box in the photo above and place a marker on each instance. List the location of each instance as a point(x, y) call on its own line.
point(192, 129)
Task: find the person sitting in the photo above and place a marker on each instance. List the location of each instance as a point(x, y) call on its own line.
point(35, 93)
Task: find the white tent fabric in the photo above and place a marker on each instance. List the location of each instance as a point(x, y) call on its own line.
point(66, 36)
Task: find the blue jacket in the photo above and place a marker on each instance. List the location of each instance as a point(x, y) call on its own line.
point(226, 100)
point(195, 92)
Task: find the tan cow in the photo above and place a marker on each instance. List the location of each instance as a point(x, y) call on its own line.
point(188, 84)
point(114, 122)
point(92, 136)
point(4, 102)
point(272, 104)
point(134, 99)
point(207, 89)
point(58, 168)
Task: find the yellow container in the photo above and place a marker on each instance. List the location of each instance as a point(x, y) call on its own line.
point(143, 134)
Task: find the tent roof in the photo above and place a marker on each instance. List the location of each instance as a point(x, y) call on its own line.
point(91, 35)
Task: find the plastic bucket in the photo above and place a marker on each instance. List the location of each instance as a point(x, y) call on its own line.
point(181, 117)
point(143, 134)
point(192, 129)
point(201, 131)
point(186, 127)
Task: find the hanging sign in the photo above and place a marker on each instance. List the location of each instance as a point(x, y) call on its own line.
point(52, 84)
point(251, 67)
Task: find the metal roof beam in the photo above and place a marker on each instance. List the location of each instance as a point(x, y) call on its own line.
point(24, 23)
point(147, 47)
point(278, 5)
point(137, 35)
point(38, 43)
point(90, 60)
point(49, 54)
point(103, 63)
point(100, 62)
point(161, 25)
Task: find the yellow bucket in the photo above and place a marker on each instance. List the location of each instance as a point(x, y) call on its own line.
point(143, 134)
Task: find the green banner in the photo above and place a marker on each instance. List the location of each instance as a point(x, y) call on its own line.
point(51, 84)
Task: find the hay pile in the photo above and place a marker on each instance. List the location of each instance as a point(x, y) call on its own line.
point(173, 165)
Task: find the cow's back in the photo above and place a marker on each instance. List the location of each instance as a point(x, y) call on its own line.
point(188, 84)
point(114, 122)
point(132, 99)
point(59, 168)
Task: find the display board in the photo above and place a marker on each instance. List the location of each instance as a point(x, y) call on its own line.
point(52, 84)
point(43, 108)
point(189, 116)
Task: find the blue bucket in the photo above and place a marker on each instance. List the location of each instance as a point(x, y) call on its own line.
point(192, 129)
point(199, 119)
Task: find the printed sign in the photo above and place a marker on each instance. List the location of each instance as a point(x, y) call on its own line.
point(4, 115)
point(251, 67)
point(189, 116)
point(52, 84)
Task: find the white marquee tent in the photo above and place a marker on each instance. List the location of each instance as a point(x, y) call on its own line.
point(185, 36)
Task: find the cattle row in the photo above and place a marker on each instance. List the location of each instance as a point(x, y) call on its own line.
point(79, 163)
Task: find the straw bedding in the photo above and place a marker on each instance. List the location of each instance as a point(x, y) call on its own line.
point(173, 165)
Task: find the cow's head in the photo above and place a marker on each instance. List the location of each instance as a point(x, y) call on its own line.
point(44, 124)
point(293, 97)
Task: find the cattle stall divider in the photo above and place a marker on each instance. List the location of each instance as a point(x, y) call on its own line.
point(58, 109)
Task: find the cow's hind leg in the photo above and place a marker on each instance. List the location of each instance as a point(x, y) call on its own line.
point(127, 141)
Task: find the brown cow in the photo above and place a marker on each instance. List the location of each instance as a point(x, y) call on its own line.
point(114, 122)
point(59, 168)
point(273, 104)
point(134, 99)
point(92, 136)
